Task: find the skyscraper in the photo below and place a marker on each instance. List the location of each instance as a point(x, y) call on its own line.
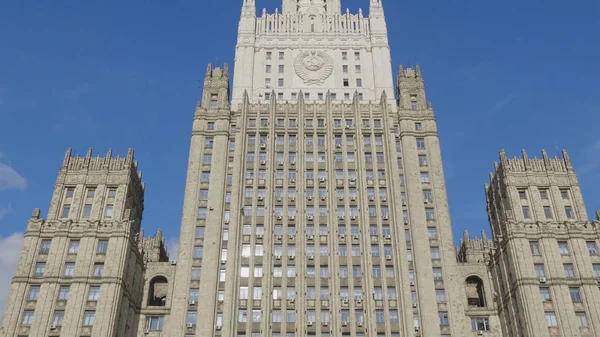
point(315, 205)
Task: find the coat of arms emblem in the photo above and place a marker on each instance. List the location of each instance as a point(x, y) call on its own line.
point(313, 67)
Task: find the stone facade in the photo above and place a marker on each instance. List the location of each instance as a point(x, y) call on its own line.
point(310, 217)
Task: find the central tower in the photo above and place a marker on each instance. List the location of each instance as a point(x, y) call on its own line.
point(310, 48)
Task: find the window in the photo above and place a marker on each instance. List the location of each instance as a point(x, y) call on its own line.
point(359, 82)
point(357, 69)
point(435, 253)
point(98, 268)
point(57, 317)
point(73, 246)
point(90, 193)
point(539, 270)
point(563, 248)
point(268, 69)
point(418, 126)
point(269, 55)
point(94, 293)
point(545, 294)
point(422, 160)
point(34, 293)
point(480, 324)
point(281, 68)
point(280, 84)
point(69, 269)
point(102, 247)
point(344, 56)
point(202, 213)
point(205, 177)
point(357, 56)
point(89, 317)
point(63, 293)
point(45, 246)
point(544, 194)
point(345, 68)
point(40, 268)
point(112, 192)
point(582, 320)
point(87, 210)
point(548, 212)
point(526, 212)
point(281, 55)
point(437, 274)
point(432, 233)
point(564, 194)
point(195, 275)
point(534, 247)
point(191, 317)
point(429, 214)
point(108, 211)
point(207, 159)
point(575, 294)
point(346, 84)
point(569, 212)
point(154, 323)
point(421, 143)
point(65, 211)
point(551, 319)
point(424, 177)
point(444, 318)
point(569, 270)
point(592, 248)
point(523, 194)
point(27, 317)
point(440, 295)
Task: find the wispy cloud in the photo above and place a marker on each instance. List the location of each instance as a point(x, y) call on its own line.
point(9, 178)
point(502, 104)
point(10, 248)
point(172, 244)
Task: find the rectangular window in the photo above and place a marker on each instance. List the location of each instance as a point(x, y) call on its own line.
point(154, 323)
point(63, 293)
point(418, 126)
point(534, 247)
point(544, 194)
point(27, 317)
point(421, 143)
point(569, 212)
point(359, 82)
point(69, 269)
point(65, 211)
point(523, 194)
point(480, 324)
point(45, 246)
point(545, 294)
point(281, 68)
point(539, 270)
point(444, 318)
point(564, 194)
point(98, 269)
point(425, 177)
point(526, 212)
point(268, 69)
point(551, 319)
point(89, 318)
point(73, 246)
point(422, 160)
point(548, 212)
point(437, 274)
point(575, 294)
point(582, 320)
point(440, 295)
point(563, 248)
point(34, 293)
point(569, 270)
point(40, 268)
point(592, 248)
point(87, 210)
point(94, 293)
point(108, 211)
point(57, 318)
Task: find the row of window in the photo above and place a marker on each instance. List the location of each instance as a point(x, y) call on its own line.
point(89, 317)
point(101, 247)
point(564, 193)
point(63, 293)
point(87, 208)
point(39, 269)
point(548, 213)
point(563, 248)
point(281, 56)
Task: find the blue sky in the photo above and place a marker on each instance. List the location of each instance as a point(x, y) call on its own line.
point(119, 74)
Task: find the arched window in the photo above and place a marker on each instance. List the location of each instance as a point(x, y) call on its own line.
point(475, 293)
point(157, 294)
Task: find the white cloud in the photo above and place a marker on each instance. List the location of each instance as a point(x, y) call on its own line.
point(9, 178)
point(172, 244)
point(10, 248)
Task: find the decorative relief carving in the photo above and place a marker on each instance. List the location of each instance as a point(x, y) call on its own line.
point(313, 67)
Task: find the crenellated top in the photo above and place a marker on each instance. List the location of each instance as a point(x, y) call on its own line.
point(409, 72)
point(526, 164)
point(154, 248)
point(89, 163)
point(474, 249)
point(298, 23)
